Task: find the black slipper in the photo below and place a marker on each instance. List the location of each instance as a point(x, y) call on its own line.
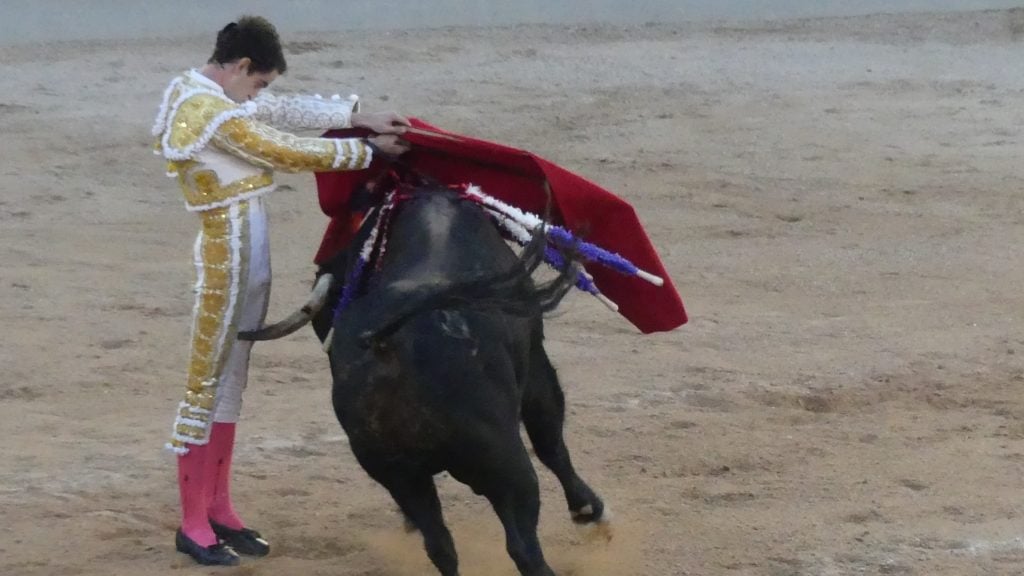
point(243, 541)
point(218, 554)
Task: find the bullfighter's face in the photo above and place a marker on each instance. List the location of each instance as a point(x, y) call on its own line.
point(242, 85)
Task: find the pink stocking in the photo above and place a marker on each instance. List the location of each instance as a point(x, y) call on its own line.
point(192, 485)
point(218, 466)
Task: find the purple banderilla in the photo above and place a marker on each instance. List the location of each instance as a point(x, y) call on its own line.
point(348, 292)
point(591, 252)
point(555, 259)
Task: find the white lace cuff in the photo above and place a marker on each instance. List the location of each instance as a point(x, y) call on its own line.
point(302, 112)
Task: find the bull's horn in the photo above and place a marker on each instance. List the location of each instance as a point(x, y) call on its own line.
point(299, 318)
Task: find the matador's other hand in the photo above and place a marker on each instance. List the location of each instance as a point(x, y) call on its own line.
point(381, 122)
point(389, 144)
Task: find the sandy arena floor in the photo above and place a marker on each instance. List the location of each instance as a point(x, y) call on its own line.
point(836, 200)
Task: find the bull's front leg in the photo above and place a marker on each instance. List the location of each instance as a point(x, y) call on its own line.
point(416, 496)
point(515, 496)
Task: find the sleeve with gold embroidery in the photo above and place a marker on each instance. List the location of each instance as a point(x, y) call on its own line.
point(302, 112)
point(262, 145)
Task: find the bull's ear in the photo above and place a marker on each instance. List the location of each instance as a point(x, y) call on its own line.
point(366, 340)
point(370, 340)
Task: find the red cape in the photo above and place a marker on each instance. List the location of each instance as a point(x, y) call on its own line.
point(518, 178)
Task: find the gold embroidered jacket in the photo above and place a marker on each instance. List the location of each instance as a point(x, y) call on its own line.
point(223, 152)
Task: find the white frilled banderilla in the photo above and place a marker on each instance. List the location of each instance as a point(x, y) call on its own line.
point(518, 224)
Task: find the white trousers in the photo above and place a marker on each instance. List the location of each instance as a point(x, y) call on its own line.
point(253, 298)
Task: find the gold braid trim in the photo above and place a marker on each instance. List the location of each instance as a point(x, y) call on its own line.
point(221, 264)
point(189, 126)
point(203, 190)
point(264, 146)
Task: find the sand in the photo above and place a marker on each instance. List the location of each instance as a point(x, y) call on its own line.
point(838, 201)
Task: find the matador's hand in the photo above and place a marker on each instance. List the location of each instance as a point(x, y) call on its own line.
point(380, 122)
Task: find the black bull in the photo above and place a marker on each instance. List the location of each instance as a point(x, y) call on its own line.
point(437, 364)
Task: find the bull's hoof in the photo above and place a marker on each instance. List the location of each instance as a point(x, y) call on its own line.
point(243, 541)
point(588, 514)
point(216, 555)
point(595, 520)
point(408, 526)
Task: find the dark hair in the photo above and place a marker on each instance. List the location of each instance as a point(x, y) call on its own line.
point(252, 37)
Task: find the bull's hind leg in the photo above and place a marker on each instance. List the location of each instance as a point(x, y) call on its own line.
point(416, 495)
point(544, 415)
